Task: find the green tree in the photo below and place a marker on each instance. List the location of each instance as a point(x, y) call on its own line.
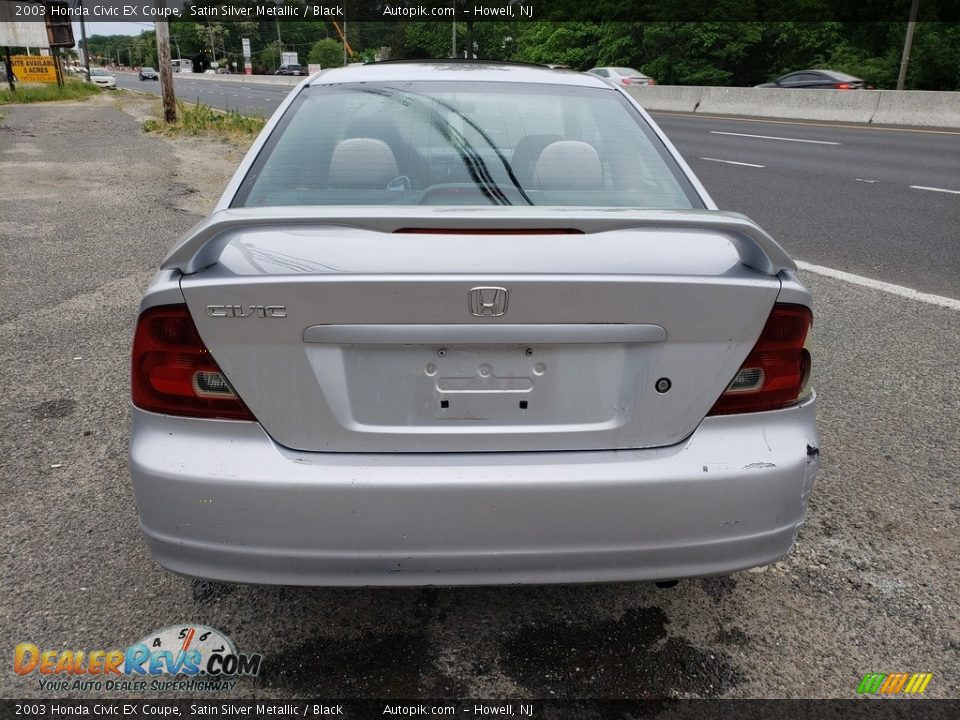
point(700, 53)
point(328, 53)
point(268, 59)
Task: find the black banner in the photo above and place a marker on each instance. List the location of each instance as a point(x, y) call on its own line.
point(133, 709)
point(492, 10)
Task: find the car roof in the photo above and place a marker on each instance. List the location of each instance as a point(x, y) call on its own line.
point(454, 71)
point(835, 74)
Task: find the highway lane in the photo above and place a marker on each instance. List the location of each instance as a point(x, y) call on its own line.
point(248, 98)
point(848, 206)
point(836, 195)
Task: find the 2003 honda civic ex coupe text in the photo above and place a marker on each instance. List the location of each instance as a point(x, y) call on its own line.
point(469, 323)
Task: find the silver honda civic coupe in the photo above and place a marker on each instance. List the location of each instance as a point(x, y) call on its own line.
point(460, 323)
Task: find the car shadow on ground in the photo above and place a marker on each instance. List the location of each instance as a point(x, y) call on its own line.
point(530, 641)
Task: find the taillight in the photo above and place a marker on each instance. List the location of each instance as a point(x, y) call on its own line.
point(651, 81)
point(626, 81)
point(843, 86)
point(776, 373)
point(172, 372)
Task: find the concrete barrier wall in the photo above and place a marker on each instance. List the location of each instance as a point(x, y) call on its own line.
point(847, 105)
point(916, 107)
point(234, 78)
point(238, 78)
point(888, 107)
point(670, 98)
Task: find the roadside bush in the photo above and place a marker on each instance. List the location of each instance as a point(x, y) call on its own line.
point(201, 119)
point(71, 90)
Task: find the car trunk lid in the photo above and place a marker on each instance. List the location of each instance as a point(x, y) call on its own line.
point(369, 340)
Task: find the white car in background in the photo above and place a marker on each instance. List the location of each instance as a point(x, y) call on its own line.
point(623, 75)
point(99, 76)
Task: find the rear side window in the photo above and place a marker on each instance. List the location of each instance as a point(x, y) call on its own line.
point(439, 143)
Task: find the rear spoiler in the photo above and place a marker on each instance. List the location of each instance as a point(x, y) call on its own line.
point(201, 246)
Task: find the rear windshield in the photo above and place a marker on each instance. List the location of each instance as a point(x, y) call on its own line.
point(439, 143)
point(626, 71)
point(839, 75)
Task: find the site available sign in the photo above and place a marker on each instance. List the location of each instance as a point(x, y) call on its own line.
point(34, 68)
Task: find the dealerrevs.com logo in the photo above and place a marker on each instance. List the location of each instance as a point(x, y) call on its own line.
point(180, 657)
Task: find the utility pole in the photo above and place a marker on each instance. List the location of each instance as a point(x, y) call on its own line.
point(213, 46)
point(8, 67)
point(453, 34)
point(166, 71)
point(83, 37)
point(907, 42)
point(279, 44)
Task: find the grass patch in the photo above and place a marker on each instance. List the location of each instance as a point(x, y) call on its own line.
point(71, 90)
point(200, 119)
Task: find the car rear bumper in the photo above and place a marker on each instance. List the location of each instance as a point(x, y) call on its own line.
point(221, 500)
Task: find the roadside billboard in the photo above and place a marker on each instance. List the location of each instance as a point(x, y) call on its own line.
point(14, 33)
point(34, 68)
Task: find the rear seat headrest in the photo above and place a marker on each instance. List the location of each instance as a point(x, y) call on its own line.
point(569, 165)
point(362, 163)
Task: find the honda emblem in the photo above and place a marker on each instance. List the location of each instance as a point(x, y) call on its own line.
point(488, 301)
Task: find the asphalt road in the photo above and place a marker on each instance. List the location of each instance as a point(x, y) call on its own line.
point(840, 196)
point(872, 584)
point(248, 98)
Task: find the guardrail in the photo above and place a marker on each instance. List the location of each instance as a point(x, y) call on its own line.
point(887, 107)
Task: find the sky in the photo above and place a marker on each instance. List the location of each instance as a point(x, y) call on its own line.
point(112, 28)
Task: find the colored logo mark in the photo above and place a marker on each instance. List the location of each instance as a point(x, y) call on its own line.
point(894, 683)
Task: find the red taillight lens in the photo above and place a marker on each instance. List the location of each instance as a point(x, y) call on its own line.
point(843, 86)
point(777, 369)
point(626, 81)
point(172, 372)
point(651, 81)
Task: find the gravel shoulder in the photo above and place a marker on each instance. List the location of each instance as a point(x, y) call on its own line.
point(871, 586)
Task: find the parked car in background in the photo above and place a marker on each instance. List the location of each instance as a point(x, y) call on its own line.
point(148, 73)
point(623, 75)
point(825, 79)
point(223, 71)
point(464, 323)
point(99, 76)
point(292, 70)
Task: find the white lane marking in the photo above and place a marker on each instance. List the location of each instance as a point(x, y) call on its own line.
point(774, 137)
point(933, 189)
point(732, 162)
point(886, 287)
point(866, 181)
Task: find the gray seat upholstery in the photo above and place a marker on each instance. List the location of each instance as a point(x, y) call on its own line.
point(569, 165)
point(362, 163)
point(525, 154)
